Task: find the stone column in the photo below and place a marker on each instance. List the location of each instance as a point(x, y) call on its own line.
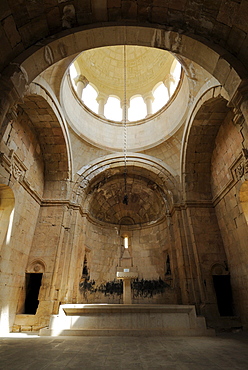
point(148, 99)
point(81, 83)
point(167, 83)
point(127, 294)
point(101, 100)
point(122, 103)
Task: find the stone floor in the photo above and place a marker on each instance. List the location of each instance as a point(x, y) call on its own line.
point(225, 351)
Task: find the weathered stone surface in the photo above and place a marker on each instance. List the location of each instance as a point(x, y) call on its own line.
point(129, 9)
point(53, 20)
point(11, 31)
point(159, 15)
point(228, 12)
point(236, 39)
point(4, 9)
point(34, 31)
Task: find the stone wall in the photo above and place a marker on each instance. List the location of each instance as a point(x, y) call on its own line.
point(226, 191)
point(148, 246)
point(21, 168)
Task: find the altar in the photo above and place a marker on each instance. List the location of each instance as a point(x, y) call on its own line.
point(126, 320)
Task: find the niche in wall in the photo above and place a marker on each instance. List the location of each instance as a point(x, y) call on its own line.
point(33, 284)
point(223, 290)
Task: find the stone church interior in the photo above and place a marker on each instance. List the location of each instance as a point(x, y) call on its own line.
point(123, 162)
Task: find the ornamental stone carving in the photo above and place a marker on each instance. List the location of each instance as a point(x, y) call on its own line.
point(48, 55)
point(13, 165)
point(242, 167)
point(69, 16)
point(240, 170)
point(17, 172)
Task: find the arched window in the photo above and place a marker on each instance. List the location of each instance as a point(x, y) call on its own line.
point(89, 98)
point(160, 97)
point(125, 239)
point(112, 109)
point(137, 109)
point(176, 73)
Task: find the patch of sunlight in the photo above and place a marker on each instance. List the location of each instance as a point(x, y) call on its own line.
point(160, 97)
point(112, 109)
point(137, 109)
point(11, 218)
point(89, 98)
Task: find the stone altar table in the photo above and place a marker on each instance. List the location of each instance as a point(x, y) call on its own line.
point(131, 320)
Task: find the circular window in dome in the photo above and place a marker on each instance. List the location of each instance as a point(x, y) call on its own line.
point(125, 82)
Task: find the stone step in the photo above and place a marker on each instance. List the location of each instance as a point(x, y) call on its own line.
point(128, 332)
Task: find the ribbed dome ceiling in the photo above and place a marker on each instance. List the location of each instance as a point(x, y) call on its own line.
point(104, 67)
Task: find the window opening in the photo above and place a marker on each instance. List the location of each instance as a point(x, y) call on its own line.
point(137, 109)
point(126, 242)
point(89, 98)
point(160, 97)
point(112, 109)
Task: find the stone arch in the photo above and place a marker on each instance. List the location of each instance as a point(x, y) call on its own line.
point(151, 186)
point(36, 266)
point(105, 167)
point(7, 203)
point(219, 269)
point(51, 130)
point(207, 56)
point(199, 139)
point(217, 61)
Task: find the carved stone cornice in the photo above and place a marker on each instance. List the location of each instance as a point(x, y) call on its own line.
point(239, 103)
point(238, 172)
point(5, 162)
point(17, 170)
point(238, 118)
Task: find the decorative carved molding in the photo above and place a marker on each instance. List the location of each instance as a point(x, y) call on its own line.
point(5, 162)
point(37, 266)
point(241, 169)
point(48, 55)
point(62, 49)
point(69, 16)
point(12, 113)
point(238, 101)
point(13, 165)
point(238, 118)
point(19, 79)
point(18, 169)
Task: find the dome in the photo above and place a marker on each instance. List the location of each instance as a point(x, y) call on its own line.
point(125, 73)
point(96, 102)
